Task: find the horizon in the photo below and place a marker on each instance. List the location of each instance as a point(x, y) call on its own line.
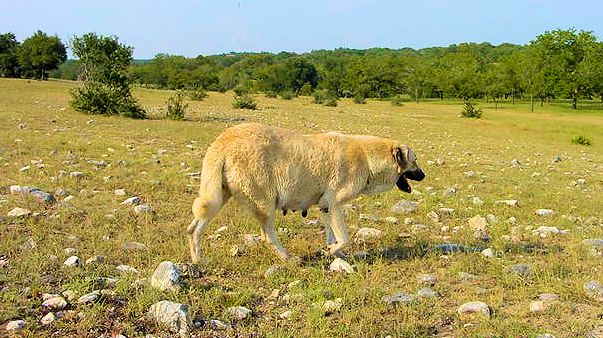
point(191, 28)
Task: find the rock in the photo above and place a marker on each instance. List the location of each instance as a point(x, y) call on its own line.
point(133, 246)
point(69, 294)
point(593, 243)
point(119, 192)
point(488, 253)
point(105, 282)
point(478, 222)
point(126, 269)
point(239, 312)
point(332, 306)
point(173, 316)
point(48, 318)
point(419, 227)
point(474, 310)
point(367, 234)
point(556, 158)
point(398, 298)
point(426, 292)
point(427, 279)
point(76, 174)
point(597, 332)
point(286, 314)
point(143, 209)
point(392, 220)
point(236, 250)
point(509, 203)
point(95, 260)
point(25, 168)
point(594, 290)
point(543, 231)
point(445, 211)
point(166, 277)
point(515, 163)
point(70, 251)
point(449, 192)
point(522, 270)
point(131, 201)
point(491, 219)
point(476, 200)
point(72, 261)
point(15, 325)
point(447, 248)
point(273, 269)
point(368, 217)
point(544, 212)
point(481, 235)
point(219, 325)
point(339, 265)
point(434, 216)
point(18, 212)
point(55, 303)
point(404, 207)
point(89, 297)
point(538, 306)
point(251, 240)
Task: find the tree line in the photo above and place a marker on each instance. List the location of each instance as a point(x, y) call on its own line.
point(558, 64)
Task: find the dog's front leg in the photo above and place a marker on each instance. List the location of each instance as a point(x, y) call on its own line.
point(337, 226)
point(326, 220)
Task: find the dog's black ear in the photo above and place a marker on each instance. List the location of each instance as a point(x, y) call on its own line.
point(398, 153)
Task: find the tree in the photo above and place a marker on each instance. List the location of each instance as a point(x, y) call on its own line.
point(590, 70)
point(9, 62)
point(104, 64)
point(41, 53)
point(558, 55)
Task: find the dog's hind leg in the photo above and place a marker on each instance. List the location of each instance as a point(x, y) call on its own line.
point(326, 219)
point(204, 210)
point(339, 230)
point(266, 220)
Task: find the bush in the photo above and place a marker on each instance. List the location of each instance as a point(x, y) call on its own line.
point(196, 94)
point(287, 95)
point(397, 101)
point(244, 101)
point(324, 96)
point(331, 101)
point(98, 98)
point(581, 140)
point(305, 90)
point(176, 107)
point(360, 99)
point(471, 110)
point(271, 94)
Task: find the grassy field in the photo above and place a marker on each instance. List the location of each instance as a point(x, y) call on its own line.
point(508, 154)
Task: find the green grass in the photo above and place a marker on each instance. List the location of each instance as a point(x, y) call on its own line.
point(36, 123)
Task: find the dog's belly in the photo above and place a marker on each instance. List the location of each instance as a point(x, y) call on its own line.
point(298, 199)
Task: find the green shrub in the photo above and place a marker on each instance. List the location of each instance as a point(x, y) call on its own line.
point(176, 107)
point(360, 99)
point(397, 101)
point(271, 94)
point(244, 101)
point(103, 99)
point(471, 110)
point(287, 95)
point(196, 94)
point(331, 101)
point(305, 90)
point(241, 90)
point(581, 140)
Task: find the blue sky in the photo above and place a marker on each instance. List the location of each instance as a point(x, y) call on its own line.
point(190, 28)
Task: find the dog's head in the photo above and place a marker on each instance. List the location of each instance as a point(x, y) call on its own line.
point(407, 167)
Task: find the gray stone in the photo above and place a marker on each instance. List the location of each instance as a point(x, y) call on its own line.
point(15, 325)
point(477, 201)
point(488, 253)
point(596, 243)
point(398, 298)
point(332, 306)
point(96, 260)
point(90, 297)
point(427, 279)
point(55, 303)
point(368, 217)
point(544, 212)
point(392, 220)
point(428, 293)
point(72, 261)
point(367, 234)
point(509, 203)
point(133, 246)
point(18, 212)
point(285, 315)
point(126, 269)
point(173, 316)
point(48, 318)
point(594, 290)
point(143, 209)
point(219, 325)
point(445, 211)
point(478, 222)
point(597, 332)
point(404, 207)
point(239, 312)
point(273, 269)
point(520, 269)
point(474, 310)
point(449, 192)
point(340, 265)
point(166, 277)
point(131, 201)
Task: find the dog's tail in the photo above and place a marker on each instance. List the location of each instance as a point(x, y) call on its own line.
point(210, 198)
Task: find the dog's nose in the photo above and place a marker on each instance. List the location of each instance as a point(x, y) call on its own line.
point(415, 175)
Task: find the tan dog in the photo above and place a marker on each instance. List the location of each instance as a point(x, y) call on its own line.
point(268, 168)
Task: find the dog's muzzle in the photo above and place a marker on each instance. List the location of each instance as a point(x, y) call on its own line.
point(415, 175)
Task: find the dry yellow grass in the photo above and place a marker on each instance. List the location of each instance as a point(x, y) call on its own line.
point(151, 158)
